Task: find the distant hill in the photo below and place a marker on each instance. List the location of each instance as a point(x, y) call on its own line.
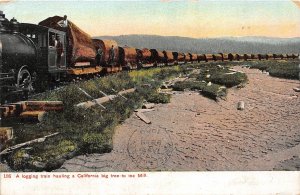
point(211, 45)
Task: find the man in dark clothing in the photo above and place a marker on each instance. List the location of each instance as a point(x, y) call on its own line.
point(59, 51)
point(111, 55)
point(99, 56)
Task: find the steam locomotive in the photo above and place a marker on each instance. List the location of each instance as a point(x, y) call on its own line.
point(29, 56)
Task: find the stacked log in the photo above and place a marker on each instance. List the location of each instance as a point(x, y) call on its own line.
point(217, 57)
point(128, 57)
point(225, 56)
point(30, 109)
point(233, 57)
point(209, 57)
point(169, 58)
point(194, 57)
point(201, 57)
point(180, 58)
point(188, 57)
point(106, 45)
point(157, 57)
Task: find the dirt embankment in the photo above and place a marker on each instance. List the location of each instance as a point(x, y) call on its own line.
point(196, 133)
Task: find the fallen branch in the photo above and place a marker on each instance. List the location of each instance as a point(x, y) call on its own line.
point(102, 100)
point(38, 140)
point(148, 106)
point(144, 110)
point(296, 89)
point(142, 117)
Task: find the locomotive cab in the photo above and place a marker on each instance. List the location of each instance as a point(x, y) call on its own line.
point(51, 45)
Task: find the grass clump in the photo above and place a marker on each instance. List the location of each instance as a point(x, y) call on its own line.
point(229, 80)
point(219, 75)
point(213, 91)
point(96, 142)
point(158, 98)
point(286, 70)
point(281, 69)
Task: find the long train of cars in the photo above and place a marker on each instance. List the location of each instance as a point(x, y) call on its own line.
point(49, 51)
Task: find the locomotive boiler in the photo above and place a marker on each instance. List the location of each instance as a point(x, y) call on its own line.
point(18, 54)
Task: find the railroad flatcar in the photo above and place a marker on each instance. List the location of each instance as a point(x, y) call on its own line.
point(225, 56)
point(158, 57)
point(169, 58)
point(284, 56)
point(277, 57)
point(128, 58)
point(233, 57)
point(292, 56)
point(254, 56)
point(209, 57)
point(217, 57)
point(145, 58)
point(107, 55)
point(80, 52)
point(178, 57)
point(175, 55)
point(188, 57)
point(201, 58)
point(246, 57)
point(270, 56)
point(262, 57)
point(194, 58)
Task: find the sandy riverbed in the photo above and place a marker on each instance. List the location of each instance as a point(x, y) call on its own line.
point(196, 133)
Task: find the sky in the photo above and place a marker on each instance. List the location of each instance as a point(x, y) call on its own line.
point(197, 19)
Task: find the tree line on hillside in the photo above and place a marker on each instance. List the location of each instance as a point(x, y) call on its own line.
point(209, 45)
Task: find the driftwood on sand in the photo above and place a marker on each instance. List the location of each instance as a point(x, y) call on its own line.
point(104, 99)
point(38, 140)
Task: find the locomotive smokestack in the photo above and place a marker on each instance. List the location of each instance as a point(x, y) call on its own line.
point(14, 25)
point(3, 21)
point(1, 14)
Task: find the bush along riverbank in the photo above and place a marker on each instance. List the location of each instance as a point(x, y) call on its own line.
point(213, 79)
point(282, 69)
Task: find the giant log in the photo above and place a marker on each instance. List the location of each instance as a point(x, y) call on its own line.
point(80, 48)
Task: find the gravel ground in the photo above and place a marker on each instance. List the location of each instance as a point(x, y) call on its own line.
point(195, 133)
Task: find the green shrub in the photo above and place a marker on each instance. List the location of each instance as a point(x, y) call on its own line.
point(286, 70)
point(159, 98)
point(283, 69)
point(96, 142)
point(214, 91)
point(229, 80)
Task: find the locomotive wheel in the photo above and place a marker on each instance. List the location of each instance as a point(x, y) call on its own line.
point(24, 80)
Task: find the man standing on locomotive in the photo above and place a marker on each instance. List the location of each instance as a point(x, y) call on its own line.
point(59, 51)
point(111, 55)
point(52, 41)
point(63, 23)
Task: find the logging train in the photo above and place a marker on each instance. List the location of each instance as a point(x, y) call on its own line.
point(51, 52)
